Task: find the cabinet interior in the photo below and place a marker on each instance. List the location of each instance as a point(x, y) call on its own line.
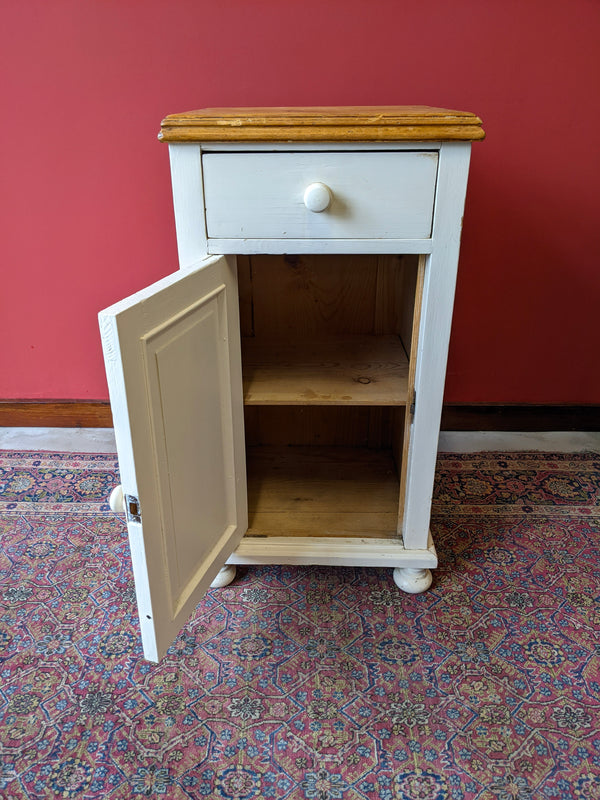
point(327, 343)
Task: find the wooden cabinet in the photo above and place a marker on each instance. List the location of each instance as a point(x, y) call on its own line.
point(277, 400)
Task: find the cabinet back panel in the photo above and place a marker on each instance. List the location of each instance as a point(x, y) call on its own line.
point(296, 296)
point(346, 426)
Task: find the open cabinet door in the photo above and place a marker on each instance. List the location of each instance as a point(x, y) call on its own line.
point(172, 355)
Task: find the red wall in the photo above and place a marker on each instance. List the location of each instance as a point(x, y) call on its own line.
point(87, 217)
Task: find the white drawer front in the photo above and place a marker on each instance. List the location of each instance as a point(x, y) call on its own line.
point(374, 195)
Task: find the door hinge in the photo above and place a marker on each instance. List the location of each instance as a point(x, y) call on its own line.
point(132, 508)
point(411, 409)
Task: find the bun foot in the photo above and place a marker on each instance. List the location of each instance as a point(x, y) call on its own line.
point(412, 580)
point(224, 577)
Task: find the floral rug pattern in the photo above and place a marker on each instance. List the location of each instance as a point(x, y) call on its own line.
point(308, 683)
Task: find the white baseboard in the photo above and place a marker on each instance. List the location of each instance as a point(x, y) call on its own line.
point(102, 440)
point(64, 440)
point(505, 441)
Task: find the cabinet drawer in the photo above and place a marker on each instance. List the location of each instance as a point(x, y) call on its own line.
point(372, 195)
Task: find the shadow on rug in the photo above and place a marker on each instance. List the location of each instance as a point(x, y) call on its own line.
point(308, 682)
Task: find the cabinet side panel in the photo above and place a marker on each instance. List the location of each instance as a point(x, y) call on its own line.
point(434, 335)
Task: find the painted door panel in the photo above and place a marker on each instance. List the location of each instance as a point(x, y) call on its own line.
point(173, 364)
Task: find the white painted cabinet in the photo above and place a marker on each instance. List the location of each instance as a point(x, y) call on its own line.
point(278, 399)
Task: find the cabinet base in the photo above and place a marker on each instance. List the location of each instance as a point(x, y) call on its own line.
point(333, 551)
point(407, 579)
point(412, 568)
point(413, 576)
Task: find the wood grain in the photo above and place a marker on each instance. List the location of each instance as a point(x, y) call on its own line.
point(285, 298)
point(520, 417)
point(55, 414)
point(413, 343)
point(455, 417)
point(339, 426)
point(340, 551)
point(313, 295)
point(338, 370)
point(297, 491)
point(351, 123)
point(244, 273)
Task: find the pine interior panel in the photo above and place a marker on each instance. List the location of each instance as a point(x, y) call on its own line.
point(323, 446)
point(244, 271)
point(322, 491)
point(352, 370)
point(412, 337)
point(301, 296)
point(335, 426)
point(305, 296)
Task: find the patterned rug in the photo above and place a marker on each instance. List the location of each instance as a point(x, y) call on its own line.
point(304, 683)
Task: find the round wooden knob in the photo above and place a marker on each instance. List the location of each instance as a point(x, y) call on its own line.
point(317, 197)
point(116, 500)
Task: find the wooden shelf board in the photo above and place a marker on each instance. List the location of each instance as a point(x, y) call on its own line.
point(338, 551)
point(322, 491)
point(340, 370)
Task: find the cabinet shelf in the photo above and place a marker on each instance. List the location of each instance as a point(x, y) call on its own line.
point(337, 370)
point(322, 491)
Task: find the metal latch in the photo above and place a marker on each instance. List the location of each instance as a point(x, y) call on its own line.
point(132, 508)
